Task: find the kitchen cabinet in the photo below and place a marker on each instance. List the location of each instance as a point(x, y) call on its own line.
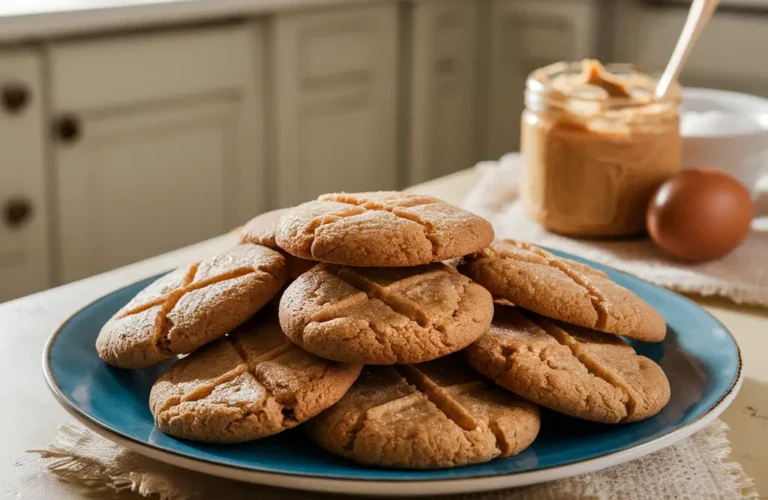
point(133, 143)
point(525, 35)
point(157, 142)
point(439, 58)
point(725, 57)
point(24, 248)
point(334, 83)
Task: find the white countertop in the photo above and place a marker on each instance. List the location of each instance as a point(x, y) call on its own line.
point(29, 415)
point(23, 20)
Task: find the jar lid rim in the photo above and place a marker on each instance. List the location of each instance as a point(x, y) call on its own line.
point(538, 82)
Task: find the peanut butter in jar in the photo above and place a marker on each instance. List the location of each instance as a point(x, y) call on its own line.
point(596, 144)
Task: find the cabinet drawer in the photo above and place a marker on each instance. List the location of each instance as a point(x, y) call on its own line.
point(525, 35)
point(335, 48)
point(23, 208)
point(724, 56)
point(334, 77)
point(122, 70)
point(143, 157)
point(158, 143)
point(440, 60)
point(22, 273)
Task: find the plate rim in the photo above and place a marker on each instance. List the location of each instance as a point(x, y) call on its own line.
point(379, 487)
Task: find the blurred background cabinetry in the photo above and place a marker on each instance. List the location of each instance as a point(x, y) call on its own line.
point(122, 142)
point(440, 75)
point(24, 229)
point(729, 55)
point(155, 139)
point(525, 35)
point(335, 101)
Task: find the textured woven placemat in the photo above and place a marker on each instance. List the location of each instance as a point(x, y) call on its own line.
point(741, 276)
point(691, 469)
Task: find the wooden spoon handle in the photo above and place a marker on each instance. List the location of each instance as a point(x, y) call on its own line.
point(698, 17)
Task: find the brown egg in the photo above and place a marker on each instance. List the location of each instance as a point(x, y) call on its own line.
point(700, 214)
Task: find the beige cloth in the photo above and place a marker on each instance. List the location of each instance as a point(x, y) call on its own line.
point(692, 469)
point(741, 276)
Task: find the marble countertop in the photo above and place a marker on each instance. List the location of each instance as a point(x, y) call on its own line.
point(25, 20)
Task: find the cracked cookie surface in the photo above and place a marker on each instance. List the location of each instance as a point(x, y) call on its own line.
point(192, 306)
point(570, 369)
point(527, 276)
point(248, 385)
point(261, 231)
point(438, 414)
point(384, 315)
point(381, 229)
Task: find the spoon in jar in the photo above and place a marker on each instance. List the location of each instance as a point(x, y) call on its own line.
point(698, 17)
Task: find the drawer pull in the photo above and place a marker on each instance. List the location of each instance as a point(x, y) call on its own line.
point(16, 212)
point(15, 97)
point(68, 128)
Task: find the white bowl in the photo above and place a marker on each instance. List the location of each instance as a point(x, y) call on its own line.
point(741, 153)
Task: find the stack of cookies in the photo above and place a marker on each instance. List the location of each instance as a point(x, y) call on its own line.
point(394, 329)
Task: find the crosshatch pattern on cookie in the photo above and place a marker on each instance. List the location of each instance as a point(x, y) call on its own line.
point(387, 229)
point(391, 293)
point(191, 306)
point(525, 275)
point(578, 274)
point(396, 205)
point(571, 369)
point(248, 385)
point(384, 316)
point(436, 414)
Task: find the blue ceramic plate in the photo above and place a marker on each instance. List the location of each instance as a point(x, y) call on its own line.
point(700, 357)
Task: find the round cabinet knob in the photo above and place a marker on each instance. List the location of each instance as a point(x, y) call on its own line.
point(16, 212)
point(15, 97)
point(67, 128)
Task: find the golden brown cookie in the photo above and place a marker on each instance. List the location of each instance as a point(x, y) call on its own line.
point(261, 231)
point(433, 415)
point(247, 385)
point(192, 306)
point(570, 369)
point(384, 229)
point(384, 315)
point(532, 278)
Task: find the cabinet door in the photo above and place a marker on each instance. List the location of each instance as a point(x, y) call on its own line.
point(525, 35)
point(157, 143)
point(725, 57)
point(334, 80)
point(24, 266)
point(440, 60)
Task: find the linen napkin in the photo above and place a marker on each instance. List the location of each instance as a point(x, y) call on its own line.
point(693, 468)
point(741, 276)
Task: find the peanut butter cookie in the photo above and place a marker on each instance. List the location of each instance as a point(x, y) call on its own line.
point(250, 384)
point(433, 415)
point(384, 315)
point(532, 278)
point(570, 369)
point(192, 306)
point(381, 229)
point(261, 231)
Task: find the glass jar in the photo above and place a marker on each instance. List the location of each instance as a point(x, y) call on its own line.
point(595, 147)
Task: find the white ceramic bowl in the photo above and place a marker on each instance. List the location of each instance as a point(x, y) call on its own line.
point(742, 153)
